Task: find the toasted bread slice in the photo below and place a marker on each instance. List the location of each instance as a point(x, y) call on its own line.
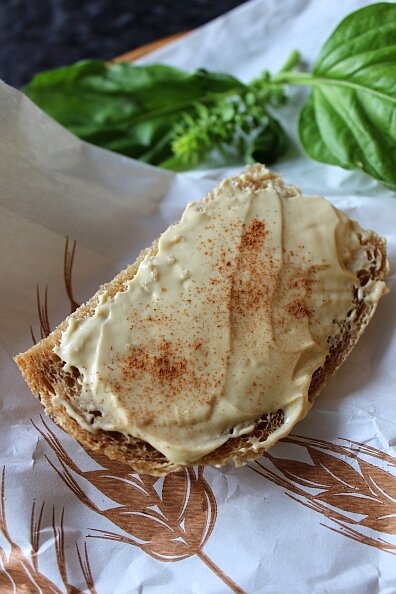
point(47, 378)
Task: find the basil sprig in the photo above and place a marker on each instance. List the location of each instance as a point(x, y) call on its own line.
point(180, 120)
point(160, 114)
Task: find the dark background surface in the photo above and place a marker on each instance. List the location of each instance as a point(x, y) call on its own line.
point(39, 34)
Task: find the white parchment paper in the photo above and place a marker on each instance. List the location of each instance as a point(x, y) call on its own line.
point(316, 516)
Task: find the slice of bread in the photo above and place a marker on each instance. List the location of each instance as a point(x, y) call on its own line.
point(43, 369)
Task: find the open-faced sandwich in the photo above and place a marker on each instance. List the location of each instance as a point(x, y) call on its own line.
point(216, 341)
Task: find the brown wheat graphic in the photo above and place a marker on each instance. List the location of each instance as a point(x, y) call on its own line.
point(20, 573)
point(169, 518)
point(42, 309)
point(170, 526)
point(68, 262)
point(341, 489)
point(42, 305)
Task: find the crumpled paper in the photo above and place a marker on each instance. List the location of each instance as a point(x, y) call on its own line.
point(318, 513)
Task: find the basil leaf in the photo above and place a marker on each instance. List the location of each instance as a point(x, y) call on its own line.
point(350, 117)
point(129, 109)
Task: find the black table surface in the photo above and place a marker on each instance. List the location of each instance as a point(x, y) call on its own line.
point(36, 35)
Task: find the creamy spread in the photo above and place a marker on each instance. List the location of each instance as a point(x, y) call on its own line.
point(228, 321)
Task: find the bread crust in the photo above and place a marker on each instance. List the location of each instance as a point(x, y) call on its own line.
point(43, 371)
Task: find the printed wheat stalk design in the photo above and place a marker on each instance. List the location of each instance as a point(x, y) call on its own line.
point(42, 309)
point(68, 262)
point(19, 573)
point(340, 489)
point(42, 305)
point(187, 505)
point(169, 518)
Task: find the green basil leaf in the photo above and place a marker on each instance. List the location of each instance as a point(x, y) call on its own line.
point(350, 117)
point(128, 109)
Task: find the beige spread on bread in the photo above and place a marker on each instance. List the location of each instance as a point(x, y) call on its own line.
point(226, 322)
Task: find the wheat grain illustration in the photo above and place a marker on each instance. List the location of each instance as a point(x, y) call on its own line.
point(20, 572)
point(42, 309)
point(42, 303)
point(169, 518)
point(187, 506)
point(68, 261)
point(357, 496)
